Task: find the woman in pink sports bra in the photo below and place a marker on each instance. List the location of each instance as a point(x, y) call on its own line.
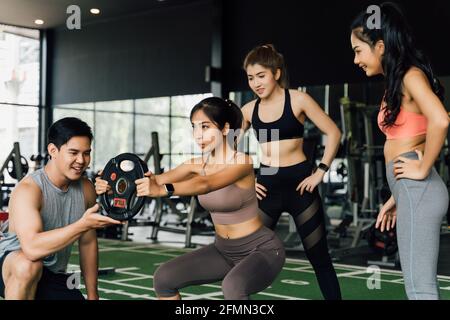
point(245, 255)
point(415, 123)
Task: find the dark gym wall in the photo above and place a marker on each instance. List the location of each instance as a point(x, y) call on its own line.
point(314, 37)
point(159, 53)
point(165, 52)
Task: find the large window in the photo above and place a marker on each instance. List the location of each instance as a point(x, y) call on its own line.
point(19, 90)
point(18, 123)
point(127, 126)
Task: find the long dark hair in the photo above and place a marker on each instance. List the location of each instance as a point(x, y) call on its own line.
point(220, 112)
point(399, 56)
point(267, 56)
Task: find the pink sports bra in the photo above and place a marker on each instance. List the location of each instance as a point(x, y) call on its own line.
point(231, 204)
point(408, 124)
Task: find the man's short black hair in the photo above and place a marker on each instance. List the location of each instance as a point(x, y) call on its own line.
point(66, 128)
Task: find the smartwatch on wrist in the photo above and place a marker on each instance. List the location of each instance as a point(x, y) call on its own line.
point(323, 167)
point(169, 189)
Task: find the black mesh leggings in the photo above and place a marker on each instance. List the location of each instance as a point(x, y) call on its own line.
point(308, 215)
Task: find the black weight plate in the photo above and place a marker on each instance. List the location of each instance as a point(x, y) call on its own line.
point(121, 203)
point(12, 167)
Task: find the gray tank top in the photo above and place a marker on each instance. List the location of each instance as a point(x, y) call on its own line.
point(59, 209)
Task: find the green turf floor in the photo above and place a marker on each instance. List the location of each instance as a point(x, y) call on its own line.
point(135, 264)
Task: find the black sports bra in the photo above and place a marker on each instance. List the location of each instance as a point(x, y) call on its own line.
point(288, 126)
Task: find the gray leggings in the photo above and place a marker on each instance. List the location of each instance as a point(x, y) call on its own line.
point(246, 265)
point(421, 206)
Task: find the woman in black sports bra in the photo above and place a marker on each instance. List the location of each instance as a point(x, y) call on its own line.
point(286, 181)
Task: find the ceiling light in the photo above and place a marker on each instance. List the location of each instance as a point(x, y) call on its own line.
point(39, 21)
point(95, 11)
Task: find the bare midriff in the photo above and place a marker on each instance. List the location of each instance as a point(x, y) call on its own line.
point(395, 147)
point(239, 230)
point(282, 153)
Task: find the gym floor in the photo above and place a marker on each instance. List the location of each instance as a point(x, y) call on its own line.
point(135, 262)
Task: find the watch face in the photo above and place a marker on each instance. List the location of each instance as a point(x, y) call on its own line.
point(169, 187)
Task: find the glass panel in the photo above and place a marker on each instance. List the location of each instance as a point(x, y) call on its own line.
point(182, 138)
point(153, 106)
point(115, 106)
point(182, 105)
point(179, 159)
point(164, 164)
point(19, 65)
point(242, 97)
point(82, 106)
point(145, 125)
point(18, 124)
point(112, 124)
point(113, 135)
point(86, 116)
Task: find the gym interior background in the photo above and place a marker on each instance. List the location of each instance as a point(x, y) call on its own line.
point(138, 67)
